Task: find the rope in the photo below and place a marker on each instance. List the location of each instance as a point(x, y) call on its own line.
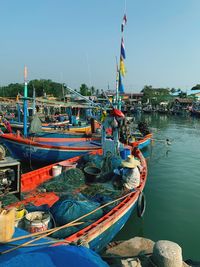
point(63, 226)
point(40, 244)
point(33, 235)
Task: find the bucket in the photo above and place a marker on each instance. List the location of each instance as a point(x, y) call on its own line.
point(37, 221)
point(125, 153)
point(91, 173)
point(67, 165)
point(56, 170)
point(19, 217)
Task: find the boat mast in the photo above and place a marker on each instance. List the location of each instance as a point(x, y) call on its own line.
point(25, 101)
point(34, 100)
point(117, 85)
point(121, 69)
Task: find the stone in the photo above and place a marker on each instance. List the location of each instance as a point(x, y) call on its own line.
point(131, 263)
point(132, 247)
point(167, 254)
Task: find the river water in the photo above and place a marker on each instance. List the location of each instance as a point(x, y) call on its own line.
point(173, 187)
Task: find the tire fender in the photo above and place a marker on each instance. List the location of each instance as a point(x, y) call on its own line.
point(141, 205)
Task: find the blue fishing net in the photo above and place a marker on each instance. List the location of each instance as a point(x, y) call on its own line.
point(67, 210)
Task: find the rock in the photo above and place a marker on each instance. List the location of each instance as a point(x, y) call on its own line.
point(167, 254)
point(132, 247)
point(131, 263)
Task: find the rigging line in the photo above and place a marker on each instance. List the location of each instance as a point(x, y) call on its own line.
point(89, 71)
point(124, 6)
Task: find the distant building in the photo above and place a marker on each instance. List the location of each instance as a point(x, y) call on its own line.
point(183, 102)
point(194, 93)
point(128, 98)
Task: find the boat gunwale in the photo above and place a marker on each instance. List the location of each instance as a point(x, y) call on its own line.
point(22, 140)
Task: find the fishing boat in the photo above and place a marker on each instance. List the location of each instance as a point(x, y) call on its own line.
point(97, 209)
point(195, 109)
point(25, 149)
point(64, 127)
point(141, 141)
point(52, 125)
point(98, 226)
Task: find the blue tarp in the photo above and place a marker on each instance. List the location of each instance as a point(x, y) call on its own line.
point(59, 256)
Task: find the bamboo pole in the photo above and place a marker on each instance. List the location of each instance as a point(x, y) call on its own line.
point(34, 234)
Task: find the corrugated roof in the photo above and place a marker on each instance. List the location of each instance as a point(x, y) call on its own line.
point(184, 100)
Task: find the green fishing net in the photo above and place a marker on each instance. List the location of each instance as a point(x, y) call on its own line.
point(67, 181)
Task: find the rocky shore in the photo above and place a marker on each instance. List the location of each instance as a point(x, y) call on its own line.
point(142, 252)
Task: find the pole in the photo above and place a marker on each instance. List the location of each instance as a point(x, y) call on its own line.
point(18, 112)
point(85, 98)
point(63, 92)
point(117, 85)
point(25, 101)
point(34, 101)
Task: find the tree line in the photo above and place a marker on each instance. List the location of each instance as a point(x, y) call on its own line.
point(48, 87)
point(44, 87)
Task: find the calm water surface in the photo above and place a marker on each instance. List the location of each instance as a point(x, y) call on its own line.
point(173, 187)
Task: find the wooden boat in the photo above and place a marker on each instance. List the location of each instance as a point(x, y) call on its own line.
point(20, 125)
point(49, 127)
point(148, 109)
point(195, 109)
point(99, 232)
point(141, 141)
point(26, 149)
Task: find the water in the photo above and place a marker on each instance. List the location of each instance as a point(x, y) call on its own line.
point(173, 187)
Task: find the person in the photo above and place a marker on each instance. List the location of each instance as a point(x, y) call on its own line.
point(103, 116)
point(129, 174)
point(5, 123)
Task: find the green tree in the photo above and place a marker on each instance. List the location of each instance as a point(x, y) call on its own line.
point(84, 90)
point(196, 87)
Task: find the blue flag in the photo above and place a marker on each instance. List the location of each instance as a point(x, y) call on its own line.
point(120, 85)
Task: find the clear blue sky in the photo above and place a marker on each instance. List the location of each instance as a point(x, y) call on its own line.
point(77, 42)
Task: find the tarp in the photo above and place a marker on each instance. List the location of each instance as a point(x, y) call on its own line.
point(58, 256)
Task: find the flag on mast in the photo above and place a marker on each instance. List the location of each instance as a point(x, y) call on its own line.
point(122, 66)
point(25, 73)
point(123, 49)
point(124, 21)
point(120, 85)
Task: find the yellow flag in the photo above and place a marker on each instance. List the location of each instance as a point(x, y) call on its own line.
point(122, 67)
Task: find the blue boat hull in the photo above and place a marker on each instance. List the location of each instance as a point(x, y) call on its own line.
point(39, 154)
point(107, 236)
point(144, 144)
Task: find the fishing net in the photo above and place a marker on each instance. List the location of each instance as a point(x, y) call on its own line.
point(36, 125)
point(106, 164)
point(66, 182)
point(8, 200)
